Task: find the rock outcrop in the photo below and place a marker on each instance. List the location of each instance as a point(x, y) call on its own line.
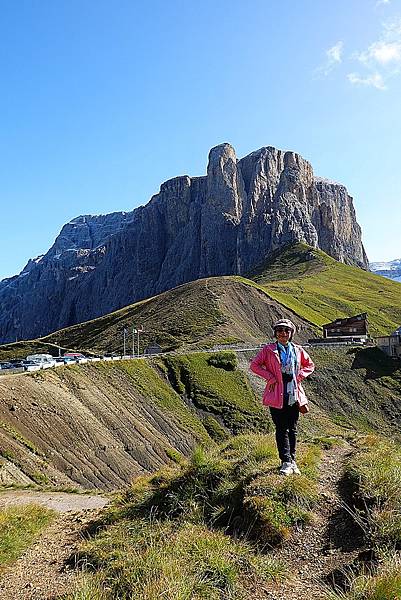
point(226, 222)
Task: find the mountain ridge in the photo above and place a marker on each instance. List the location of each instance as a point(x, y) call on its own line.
point(390, 269)
point(223, 223)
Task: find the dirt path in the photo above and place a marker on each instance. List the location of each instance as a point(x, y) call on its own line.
point(42, 573)
point(58, 501)
point(314, 554)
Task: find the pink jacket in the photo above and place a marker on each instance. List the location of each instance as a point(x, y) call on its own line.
point(267, 365)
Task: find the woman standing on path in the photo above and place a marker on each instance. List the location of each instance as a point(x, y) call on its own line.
point(284, 365)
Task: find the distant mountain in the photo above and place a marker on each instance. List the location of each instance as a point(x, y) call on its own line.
point(225, 223)
point(391, 269)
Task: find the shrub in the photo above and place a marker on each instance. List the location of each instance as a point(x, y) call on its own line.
point(223, 360)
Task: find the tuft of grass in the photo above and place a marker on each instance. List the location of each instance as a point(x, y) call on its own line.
point(88, 586)
point(235, 488)
point(375, 472)
point(385, 584)
point(151, 560)
point(18, 528)
point(199, 529)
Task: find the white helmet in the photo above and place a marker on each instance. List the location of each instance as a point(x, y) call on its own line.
point(285, 323)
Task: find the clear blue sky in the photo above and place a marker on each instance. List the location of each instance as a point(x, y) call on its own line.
point(102, 101)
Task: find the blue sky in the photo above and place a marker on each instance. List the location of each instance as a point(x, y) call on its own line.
point(103, 101)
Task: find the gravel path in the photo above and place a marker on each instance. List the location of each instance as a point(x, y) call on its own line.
point(58, 501)
point(314, 554)
point(42, 572)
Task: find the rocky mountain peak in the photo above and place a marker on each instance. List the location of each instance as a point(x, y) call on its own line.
point(225, 222)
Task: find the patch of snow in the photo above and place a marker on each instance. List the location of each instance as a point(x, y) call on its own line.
point(392, 265)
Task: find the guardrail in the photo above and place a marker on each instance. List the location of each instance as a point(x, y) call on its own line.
point(135, 357)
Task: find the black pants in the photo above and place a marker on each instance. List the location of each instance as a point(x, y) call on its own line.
point(285, 420)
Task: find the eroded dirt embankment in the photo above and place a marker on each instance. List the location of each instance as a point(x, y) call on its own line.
point(92, 425)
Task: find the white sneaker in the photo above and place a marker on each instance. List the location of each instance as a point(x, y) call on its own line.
point(286, 468)
point(295, 468)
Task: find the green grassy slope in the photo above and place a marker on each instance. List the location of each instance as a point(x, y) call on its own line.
point(357, 388)
point(351, 390)
point(320, 289)
point(219, 390)
point(182, 315)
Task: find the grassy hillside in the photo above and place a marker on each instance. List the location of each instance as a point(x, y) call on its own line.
point(213, 384)
point(25, 348)
point(97, 425)
point(320, 289)
point(210, 527)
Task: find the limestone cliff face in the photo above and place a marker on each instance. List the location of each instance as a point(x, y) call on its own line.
point(226, 222)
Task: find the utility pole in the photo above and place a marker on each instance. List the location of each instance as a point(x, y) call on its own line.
point(125, 334)
point(133, 341)
point(139, 331)
point(136, 330)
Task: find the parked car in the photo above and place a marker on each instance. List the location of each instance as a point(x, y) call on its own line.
point(73, 356)
point(44, 360)
point(28, 364)
point(17, 364)
point(6, 365)
point(69, 361)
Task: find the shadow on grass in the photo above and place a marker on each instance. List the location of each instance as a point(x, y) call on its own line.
point(376, 363)
point(345, 534)
point(339, 579)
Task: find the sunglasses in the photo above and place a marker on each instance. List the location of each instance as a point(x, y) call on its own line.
point(283, 330)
